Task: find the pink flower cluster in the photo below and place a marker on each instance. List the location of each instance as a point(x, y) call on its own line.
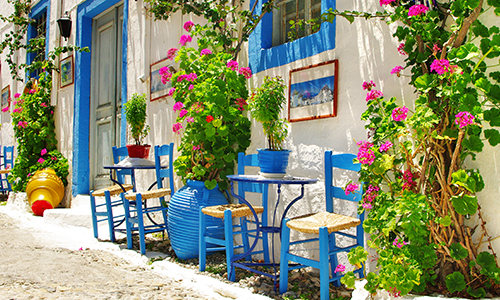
point(178, 106)
point(397, 70)
point(401, 49)
point(205, 52)
point(371, 193)
point(399, 113)
point(373, 94)
point(22, 124)
point(188, 25)
point(368, 85)
point(366, 155)
point(394, 292)
point(386, 2)
point(165, 75)
point(385, 146)
point(41, 160)
point(17, 95)
point(398, 244)
point(177, 127)
point(241, 103)
point(463, 119)
point(5, 109)
point(43, 152)
point(408, 182)
point(43, 104)
point(190, 119)
point(440, 66)
point(417, 10)
point(246, 72)
point(189, 77)
point(196, 148)
point(17, 110)
point(171, 92)
point(183, 112)
point(351, 188)
point(233, 65)
point(171, 53)
point(339, 268)
point(185, 38)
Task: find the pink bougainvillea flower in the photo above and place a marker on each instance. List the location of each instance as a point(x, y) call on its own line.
point(398, 244)
point(397, 70)
point(183, 113)
point(351, 188)
point(17, 95)
point(191, 77)
point(435, 49)
point(185, 38)
point(463, 119)
point(367, 205)
point(43, 104)
point(385, 146)
point(371, 193)
point(190, 119)
point(17, 110)
point(365, 153)
point(373, 94)
point(401, 49)
point(399, 113)
point(386, 2)
point(408, 182)
point(340, 268)
point(178, 106)
point(188, 25)
point(440, 66)
point(177, 127)
point(191, 86)
point(171, 92)
point(5, 109)
point(368, 85)
point(41, 160)
point(417, 10)
point(233, 65)
point(165, 75)
point(246, 72)
point(171, 53)
point(205, 52)
point(196, 148)
point(241, 103)
point(51, 112)
point(197, 107)
point(43, 152)
point(53, 158)
point(210, 118)
point(32, 91)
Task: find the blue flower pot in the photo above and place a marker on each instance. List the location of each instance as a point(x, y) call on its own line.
point(273, 162)
point(183, 217)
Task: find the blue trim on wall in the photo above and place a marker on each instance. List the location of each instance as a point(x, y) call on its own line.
point(263, 56)
point(123, 124)
point(38, 9)
point(81, 127)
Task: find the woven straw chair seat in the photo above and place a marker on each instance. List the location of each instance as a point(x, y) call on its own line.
point(333, 222)
point(113, 190)
point(150, 194)
point(5, 171)
point(237, 210)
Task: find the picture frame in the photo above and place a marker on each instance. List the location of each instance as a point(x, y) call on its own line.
point(312, 92)
point(5, 96)
point(157, 89)
point(67, 69)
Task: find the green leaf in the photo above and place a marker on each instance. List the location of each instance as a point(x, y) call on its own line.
point(424, 82)
point(357, 255)
point(493, 136)
point(458, 252)
point(446, 221)
point(492, 116)
point(349, 279)
point(494, 3)
point(471, 4)
point(464, 204)
point(455, 282)
point(210, 184)
point(483, 84)
point(479, 293)
point(467, 51)
point(473, 143)
point(382, 165)
point(486, 260)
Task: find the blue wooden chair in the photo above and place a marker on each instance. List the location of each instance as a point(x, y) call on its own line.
point(209, 243)
point(327, 225)
point(103, 212)
point(137, 207)
point(8, 164)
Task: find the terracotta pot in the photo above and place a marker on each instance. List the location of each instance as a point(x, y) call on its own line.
point(45, 190)
point(138, 151)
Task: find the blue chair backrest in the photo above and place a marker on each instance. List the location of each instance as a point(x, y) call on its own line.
point(119, 154)
point(161, 173)
point(8, 157)
point(250, 160)
point(339, 161)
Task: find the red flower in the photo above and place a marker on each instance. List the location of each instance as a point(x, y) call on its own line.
point(210, 118)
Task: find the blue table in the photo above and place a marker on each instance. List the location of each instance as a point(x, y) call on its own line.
point(266, 228)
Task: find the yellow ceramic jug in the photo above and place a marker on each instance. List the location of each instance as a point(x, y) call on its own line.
point(45, 190)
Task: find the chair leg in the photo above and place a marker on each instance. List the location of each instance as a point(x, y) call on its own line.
point(244, 237)
point(334, 258)
point(109, 211)
point(140, 223)
point(94, 217)
point(285, 245)
point(324, 268)
point(128, 221)
point(228, 235)
point(202, 251)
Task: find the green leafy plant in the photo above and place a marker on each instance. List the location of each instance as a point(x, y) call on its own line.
point(34, 129)
point(418, 192)
point(210, 97)
point(265, 105)
point(136, 113)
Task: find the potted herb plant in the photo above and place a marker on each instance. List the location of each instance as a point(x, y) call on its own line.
point(265, 106)
point(135, 112)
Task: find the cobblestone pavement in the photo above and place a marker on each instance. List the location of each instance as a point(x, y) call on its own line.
point(31, 270)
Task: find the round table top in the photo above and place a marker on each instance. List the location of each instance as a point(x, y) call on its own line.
point(287, 179)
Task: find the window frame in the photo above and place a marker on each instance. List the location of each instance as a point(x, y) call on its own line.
point(39, 10)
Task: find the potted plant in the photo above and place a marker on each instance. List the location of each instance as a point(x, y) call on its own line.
point(135, 112)
point(265, 106)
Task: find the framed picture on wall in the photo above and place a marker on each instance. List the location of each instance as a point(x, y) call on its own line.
point(313, 92)
point(159, 90)
point(5, 96)
point(67, 71)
